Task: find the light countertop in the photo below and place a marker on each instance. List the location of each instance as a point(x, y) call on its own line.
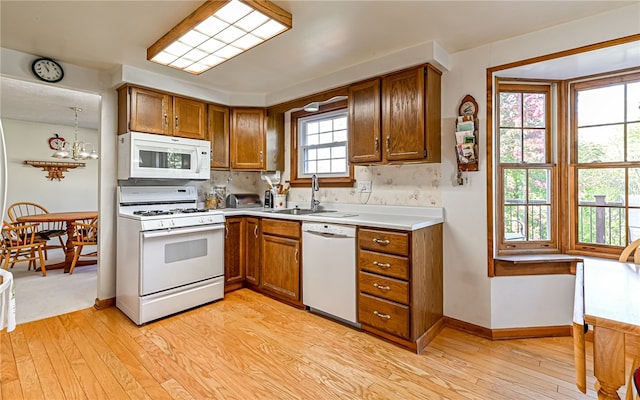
point(390, 217)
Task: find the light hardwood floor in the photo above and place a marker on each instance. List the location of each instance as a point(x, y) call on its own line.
point(251, 347)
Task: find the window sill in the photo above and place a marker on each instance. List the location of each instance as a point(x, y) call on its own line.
point(535, 264)
point(324, 182)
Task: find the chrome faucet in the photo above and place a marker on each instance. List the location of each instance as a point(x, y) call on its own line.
point(315, 186)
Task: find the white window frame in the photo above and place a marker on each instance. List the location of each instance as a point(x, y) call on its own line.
point(303, 147)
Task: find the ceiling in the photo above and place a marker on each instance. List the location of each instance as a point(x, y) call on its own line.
point(327, 36)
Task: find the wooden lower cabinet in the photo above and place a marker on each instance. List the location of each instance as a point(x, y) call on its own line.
point(281, 260)
point(400, 295)
point(252, 252)
point(234, 254)
point(400, 284)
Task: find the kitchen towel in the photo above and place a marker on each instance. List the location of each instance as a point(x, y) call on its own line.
point(7, 301)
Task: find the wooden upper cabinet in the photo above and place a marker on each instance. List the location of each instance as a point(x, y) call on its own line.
point(151, 111)
point(403, 115)
point(396, 118)
point(433, 113)
point(218, 135)
point(364, 122)
point(248, 140)
point(144, 110)
point(189, 118)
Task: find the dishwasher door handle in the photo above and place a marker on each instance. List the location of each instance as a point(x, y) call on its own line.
point(329, 235)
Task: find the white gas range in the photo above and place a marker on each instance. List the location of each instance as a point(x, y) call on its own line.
point(170, 254)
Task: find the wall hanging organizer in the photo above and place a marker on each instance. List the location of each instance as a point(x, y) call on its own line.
point(466, 136)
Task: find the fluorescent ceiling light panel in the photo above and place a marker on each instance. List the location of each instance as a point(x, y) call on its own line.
point(247, 41)
point(228, 51)
point(217, 31)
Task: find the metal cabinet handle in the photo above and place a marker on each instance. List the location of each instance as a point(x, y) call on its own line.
point(166, 121)
point(377, 143)
point(380, 315)
point(176, 122)
point(226, 232)
point(261, 157)
point(382, 241)
point(296, 255)
point(388, 140)
point(382, 265)
point(375, 285)
point(255, 231)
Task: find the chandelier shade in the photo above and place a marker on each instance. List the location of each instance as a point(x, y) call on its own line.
point(218, 31)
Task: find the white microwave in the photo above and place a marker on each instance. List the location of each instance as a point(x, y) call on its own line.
point(145, 155)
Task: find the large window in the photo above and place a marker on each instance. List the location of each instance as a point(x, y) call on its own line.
point(526, 175)
point(322, 145)
point(569, 184)
point(319, 145)
point(605, 163)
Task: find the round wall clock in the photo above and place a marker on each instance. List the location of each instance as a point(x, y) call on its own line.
point(468, 106)
point(47, 70)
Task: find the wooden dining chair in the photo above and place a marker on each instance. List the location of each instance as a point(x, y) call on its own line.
point(85, 233)
point(21, 243)
point(46, 230)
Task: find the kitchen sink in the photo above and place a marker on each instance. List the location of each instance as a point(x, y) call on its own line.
point(300, 211)
point(310, 212)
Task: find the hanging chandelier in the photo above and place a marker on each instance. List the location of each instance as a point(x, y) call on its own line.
point(78, 149)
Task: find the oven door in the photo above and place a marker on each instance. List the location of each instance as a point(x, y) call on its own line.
point(175, 257)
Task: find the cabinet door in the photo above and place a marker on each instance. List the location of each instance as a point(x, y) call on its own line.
point(252, 251)
point(150, 111)
point(247, 138)
point(233, 254)
point(218, 134)
point(189, 118)
point(403, 128)
point(364, 122)
point(281, 266)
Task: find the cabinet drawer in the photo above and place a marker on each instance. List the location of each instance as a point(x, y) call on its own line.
point(387, 288)
point(384, 264)
point(383, 241)
point(384, 315)
point(281, 228)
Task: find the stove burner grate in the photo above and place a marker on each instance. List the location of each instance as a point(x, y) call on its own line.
point(193, 210)
point(152, 213)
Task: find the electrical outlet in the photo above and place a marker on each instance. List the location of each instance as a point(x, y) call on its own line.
point(364, 186)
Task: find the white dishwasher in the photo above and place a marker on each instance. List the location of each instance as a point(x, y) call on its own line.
point(329, 270)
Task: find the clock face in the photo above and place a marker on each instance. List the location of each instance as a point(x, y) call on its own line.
point(468, 108)
point(47, 70)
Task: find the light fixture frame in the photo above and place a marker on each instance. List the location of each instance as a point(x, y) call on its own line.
point(208, 9)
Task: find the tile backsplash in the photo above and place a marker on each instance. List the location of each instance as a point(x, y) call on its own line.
point(417, 185)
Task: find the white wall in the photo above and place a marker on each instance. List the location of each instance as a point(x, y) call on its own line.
point(504, 302)
point(17, 65)
point(78, 191)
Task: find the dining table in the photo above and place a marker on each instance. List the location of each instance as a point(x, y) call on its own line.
point(68, 217)
point(608, 301)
